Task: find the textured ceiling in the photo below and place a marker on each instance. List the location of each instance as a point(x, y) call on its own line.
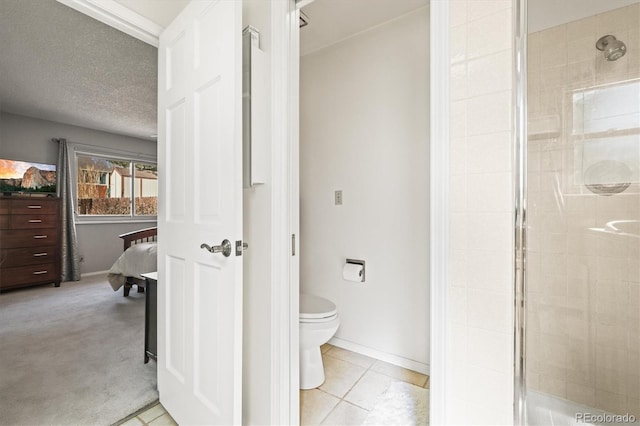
point(331, 21)
point(60, 65)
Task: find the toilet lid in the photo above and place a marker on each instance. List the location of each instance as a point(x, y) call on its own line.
point(316, 307)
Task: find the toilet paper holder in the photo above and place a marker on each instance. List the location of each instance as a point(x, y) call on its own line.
point(358, 262)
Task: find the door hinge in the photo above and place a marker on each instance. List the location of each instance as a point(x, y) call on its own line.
point(293, 244)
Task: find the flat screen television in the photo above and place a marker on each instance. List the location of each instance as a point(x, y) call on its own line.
point(27, 178)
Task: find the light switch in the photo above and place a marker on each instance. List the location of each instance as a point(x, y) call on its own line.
point(338, 197)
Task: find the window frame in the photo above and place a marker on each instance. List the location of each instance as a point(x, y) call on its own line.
point(577, 141)
point(109, 154)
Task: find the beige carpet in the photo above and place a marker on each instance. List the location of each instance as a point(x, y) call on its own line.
point(73, 355)
point(401, 404)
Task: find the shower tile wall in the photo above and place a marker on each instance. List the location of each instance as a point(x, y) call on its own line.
point(480, 365)
point(583, 287)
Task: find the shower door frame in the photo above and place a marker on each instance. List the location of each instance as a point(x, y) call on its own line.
point(520, 208)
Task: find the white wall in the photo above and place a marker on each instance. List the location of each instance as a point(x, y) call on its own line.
point(29, 139)
point(365, 131)
point(256, 386)
point(479, 355)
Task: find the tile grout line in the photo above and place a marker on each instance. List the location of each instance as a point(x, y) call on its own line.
point(370, 368)
point(145, 423)
point(137, 414)
point(347, 392)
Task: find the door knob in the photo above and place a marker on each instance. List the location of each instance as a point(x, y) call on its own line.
point(224, 248)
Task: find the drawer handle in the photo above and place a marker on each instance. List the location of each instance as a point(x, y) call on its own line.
point(39, 254)
point(39, 272)
point(39, 237)
point(35, 220)
point(34, 207)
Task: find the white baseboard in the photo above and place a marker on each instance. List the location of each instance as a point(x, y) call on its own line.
point(382, 356)
point(90, 274)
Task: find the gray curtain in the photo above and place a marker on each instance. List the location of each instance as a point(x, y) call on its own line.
point(70, 254)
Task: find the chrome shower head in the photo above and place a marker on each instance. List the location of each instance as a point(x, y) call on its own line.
point(613, 48)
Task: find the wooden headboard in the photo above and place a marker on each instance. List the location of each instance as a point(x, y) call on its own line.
point(140, 236)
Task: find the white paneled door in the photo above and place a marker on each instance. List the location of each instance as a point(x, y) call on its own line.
point(199, 164)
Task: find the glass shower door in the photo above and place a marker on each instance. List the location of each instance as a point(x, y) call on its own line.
point(582, 286)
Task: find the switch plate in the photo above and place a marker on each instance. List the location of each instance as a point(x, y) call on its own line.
point(338, 197)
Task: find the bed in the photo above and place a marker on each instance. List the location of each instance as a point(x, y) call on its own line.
point(139, 257)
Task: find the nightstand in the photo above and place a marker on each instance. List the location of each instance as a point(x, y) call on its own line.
point(151, 317)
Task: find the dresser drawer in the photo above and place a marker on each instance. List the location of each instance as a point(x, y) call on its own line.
point(35, 206)
point(12, 277)
point(4, 221)
point(28, 238)
point(5, 206)
point(33, 221)
point(27, 256)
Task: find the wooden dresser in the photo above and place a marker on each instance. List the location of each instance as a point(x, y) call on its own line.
point(29, 241)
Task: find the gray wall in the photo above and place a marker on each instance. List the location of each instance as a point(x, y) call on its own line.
point(29, 139)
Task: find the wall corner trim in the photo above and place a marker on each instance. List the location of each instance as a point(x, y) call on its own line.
point(439, 202)
point(119, 17)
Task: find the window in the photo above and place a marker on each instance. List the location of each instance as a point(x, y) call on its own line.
point(145, 189)
point(606, 134)
point(115, 188)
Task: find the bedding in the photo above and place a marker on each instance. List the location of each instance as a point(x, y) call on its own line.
point(138, 259)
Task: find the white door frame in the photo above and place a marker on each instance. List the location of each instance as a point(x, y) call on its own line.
point(288, 148)
point(285, 394)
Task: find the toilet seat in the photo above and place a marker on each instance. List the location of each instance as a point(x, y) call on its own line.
point(318, 320)
point(316, 309)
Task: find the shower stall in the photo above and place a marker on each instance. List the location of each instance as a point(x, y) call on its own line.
point(579, 251)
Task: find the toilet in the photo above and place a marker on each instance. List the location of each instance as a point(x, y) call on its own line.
point(319, 321)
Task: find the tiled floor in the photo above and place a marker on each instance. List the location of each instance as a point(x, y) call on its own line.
point(154, 415)
point(353, 384)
